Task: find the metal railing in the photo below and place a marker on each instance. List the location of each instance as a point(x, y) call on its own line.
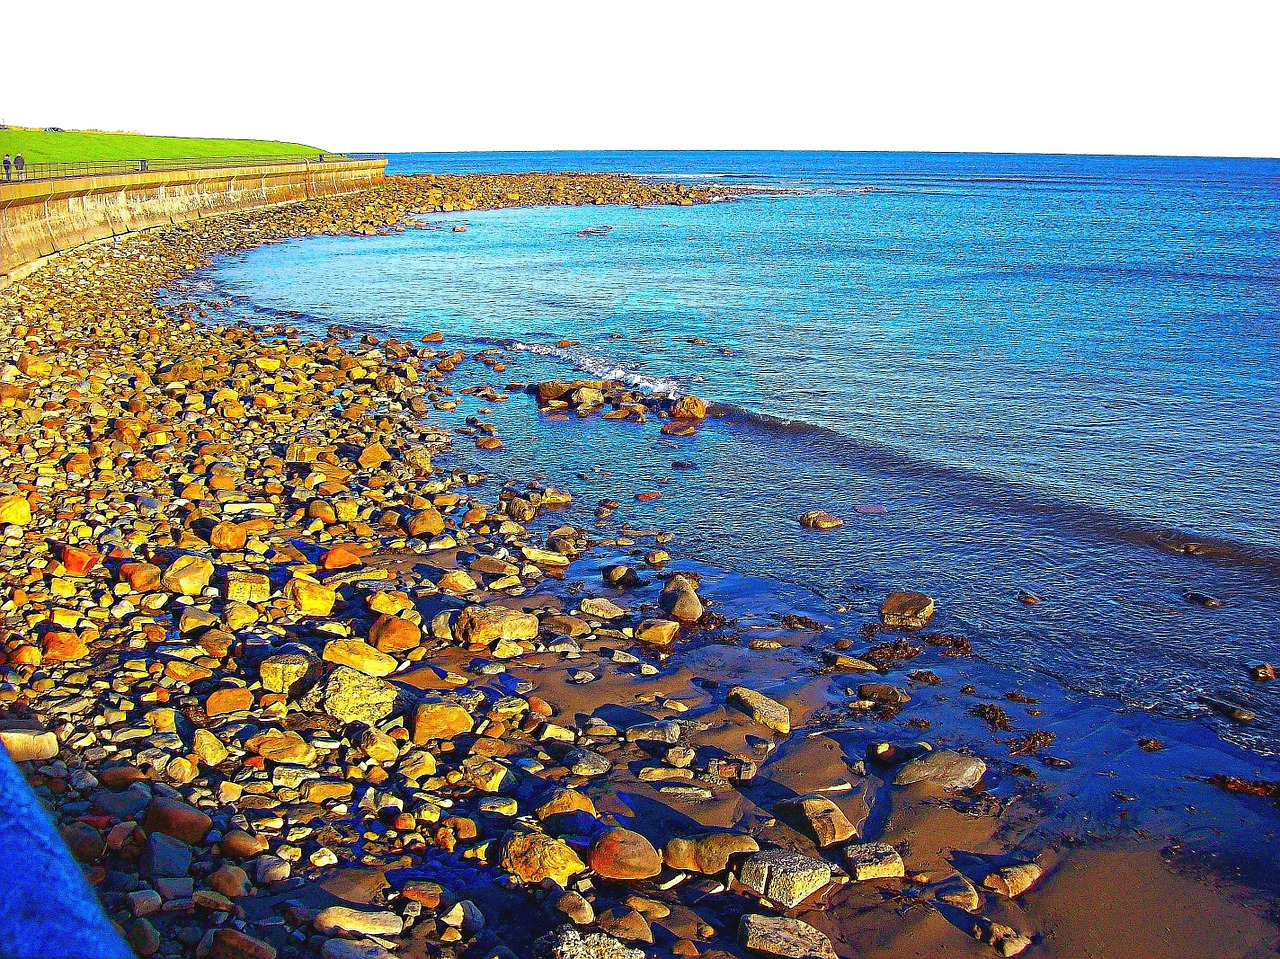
point(57, 171)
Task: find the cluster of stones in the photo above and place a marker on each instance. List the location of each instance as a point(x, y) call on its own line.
point(615, 401)
point(255, 637)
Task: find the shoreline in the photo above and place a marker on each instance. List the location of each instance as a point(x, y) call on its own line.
point(261, 454)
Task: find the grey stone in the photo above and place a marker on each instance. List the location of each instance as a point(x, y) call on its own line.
point(946, 768)
point(165, 856)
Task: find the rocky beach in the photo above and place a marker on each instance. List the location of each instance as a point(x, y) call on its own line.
point(298, 675)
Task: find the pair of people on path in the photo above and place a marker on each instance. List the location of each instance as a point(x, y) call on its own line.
point(16, 165)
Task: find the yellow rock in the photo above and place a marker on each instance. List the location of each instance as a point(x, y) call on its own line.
point(14, 510)
point(312, 599)
point(188, 575)
point(359, 655)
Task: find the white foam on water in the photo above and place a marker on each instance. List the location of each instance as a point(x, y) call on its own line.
point(601, 368)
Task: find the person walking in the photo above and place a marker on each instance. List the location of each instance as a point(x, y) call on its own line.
point(19, 166)
point(8, 167)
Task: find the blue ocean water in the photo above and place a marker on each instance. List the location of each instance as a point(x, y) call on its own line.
point(1006, 373)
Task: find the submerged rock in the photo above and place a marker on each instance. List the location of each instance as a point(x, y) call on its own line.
point(945, 768)
point(906, 610)
point(820, 520)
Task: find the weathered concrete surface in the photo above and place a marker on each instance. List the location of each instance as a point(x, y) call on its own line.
point(47, 910)
point(41, 217)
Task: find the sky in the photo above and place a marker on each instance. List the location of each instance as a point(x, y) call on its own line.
point(1031, 76)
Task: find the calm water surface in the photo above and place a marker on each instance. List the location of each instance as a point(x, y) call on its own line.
point(1005, 373)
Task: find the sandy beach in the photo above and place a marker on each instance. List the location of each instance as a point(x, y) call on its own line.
point(293, 687)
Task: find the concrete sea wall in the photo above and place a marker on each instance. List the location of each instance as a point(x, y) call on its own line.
point(41, 217)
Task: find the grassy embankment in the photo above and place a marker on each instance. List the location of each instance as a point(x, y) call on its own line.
point(37, 146)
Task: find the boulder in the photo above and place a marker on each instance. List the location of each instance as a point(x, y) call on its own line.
point(657, 632)
point(624, 854)
point(679, 598)
point(392, 634)
point(233, 944)
point(825, 820)
point(533, 857)
point(708, 854)
point(438, 719)
point(487, 624)
point(346, 921)
point(15, 510)
point(567, 943)
point(359, 655)
point(29, 745)
point(429, 522)
point(762, 709)
point(784, 877)
point(873, 860)
point(1012, 880)
point(945, 767)
point(906, 610)
point(689, 408)
point(188, 575)
point(351, 696)
point(781, 936)
point(288, 672)
point(177, 819)
point(311, 599)
point(164, 856)
point(820, 519)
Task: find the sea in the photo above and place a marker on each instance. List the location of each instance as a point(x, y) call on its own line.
point(1012, 376)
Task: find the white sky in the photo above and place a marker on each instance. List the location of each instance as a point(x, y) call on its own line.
point(1026, 76)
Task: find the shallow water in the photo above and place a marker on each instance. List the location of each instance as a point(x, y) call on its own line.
point(1035, 366)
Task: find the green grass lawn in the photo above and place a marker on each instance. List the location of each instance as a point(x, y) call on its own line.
point(36, 146)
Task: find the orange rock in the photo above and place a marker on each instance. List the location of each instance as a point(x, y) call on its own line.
point(391, 634)
point(234, 944)
point(689, 408)
point(79, 561)
point(143, 577)
point(373, 456)
point(624, 854)
point(227, 536)
point(648, 497)
point(61, 646)
point(340, 557)
point(79, 464)
point(177, 819)
point(428, 522)
point(231, 700)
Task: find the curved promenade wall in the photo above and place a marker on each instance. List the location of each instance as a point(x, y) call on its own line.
point(41, 217)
